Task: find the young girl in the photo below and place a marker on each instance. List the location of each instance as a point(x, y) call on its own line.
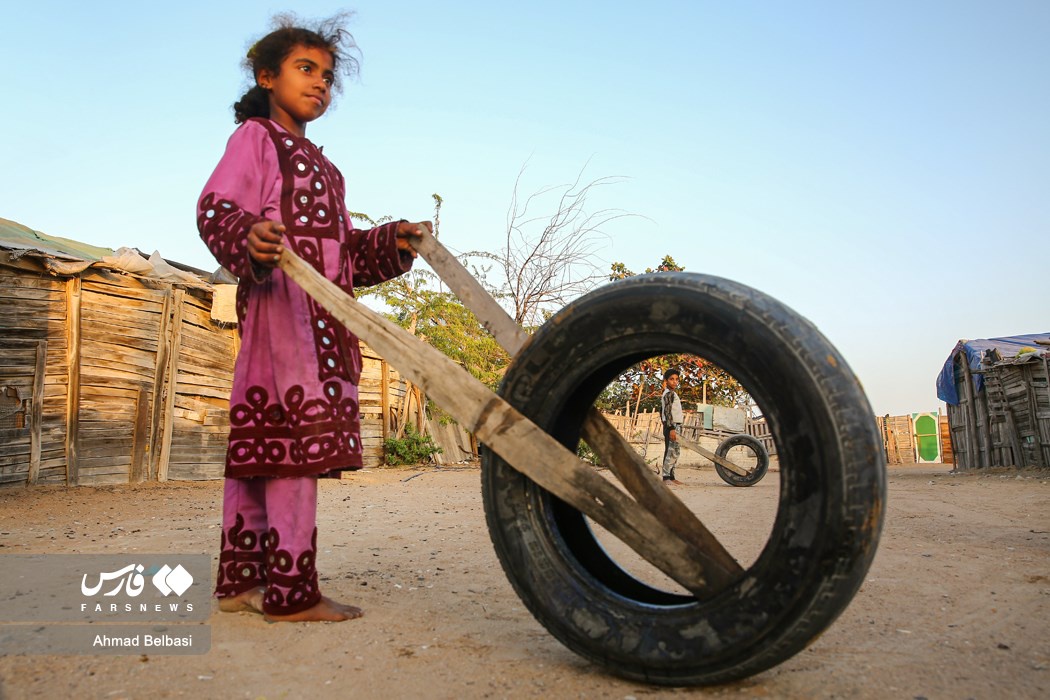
point(293, 408)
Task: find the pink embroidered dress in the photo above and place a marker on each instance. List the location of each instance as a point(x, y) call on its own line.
point(294, 405)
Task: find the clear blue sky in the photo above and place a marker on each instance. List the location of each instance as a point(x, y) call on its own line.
point(882, 167)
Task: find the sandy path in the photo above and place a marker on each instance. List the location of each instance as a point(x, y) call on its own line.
point(957, 604)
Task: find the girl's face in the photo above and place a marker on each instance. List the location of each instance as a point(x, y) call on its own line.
point(302, 91)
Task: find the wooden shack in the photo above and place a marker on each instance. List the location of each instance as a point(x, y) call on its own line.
point(116, 375)
point(999, 401)
point(916, 438)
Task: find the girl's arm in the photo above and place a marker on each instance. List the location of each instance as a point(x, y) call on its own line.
point(242, 193)
point(383, 253)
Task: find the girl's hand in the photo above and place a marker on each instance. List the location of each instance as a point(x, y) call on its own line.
point(264, 243)
point(405, 231)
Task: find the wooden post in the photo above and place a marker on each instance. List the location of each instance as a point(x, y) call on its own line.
point(421, 411)
point(1033, 412)
point(141, 437)
point(971, 404)
point(637, 405)
point(37, 412)
point(159, 373)
point(171, 384)
point(404, 403)
point(645, 444)
point(1044, 435)
point(73, 298)
point(384, 394)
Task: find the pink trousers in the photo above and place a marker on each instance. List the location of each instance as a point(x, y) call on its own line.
point(269, 538)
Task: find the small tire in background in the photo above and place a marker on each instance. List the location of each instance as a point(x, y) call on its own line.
point(754, 473)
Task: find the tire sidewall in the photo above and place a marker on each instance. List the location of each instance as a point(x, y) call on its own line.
point(831, 494)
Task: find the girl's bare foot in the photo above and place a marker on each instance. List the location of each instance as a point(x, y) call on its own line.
point(327, 610)
point(249, 601)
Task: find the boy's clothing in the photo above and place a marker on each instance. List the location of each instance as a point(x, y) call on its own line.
point(672, 417)
point(671, 408)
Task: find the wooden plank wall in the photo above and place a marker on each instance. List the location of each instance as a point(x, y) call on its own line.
point(17, 375)
point(898, 437)
point(32, 321)
point(1008, 422)
point(200, 412)
point(383, 397)
point(968, 420)
point(105, 379)
point(947, 456)
point(119, 325)
point(1019, 410)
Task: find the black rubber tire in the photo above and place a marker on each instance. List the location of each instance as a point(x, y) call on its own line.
point(831, 498)
point(754, 475)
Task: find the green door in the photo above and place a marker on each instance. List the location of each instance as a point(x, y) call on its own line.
point(927, 438)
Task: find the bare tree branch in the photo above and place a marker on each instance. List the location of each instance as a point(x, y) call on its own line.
point(549, 259)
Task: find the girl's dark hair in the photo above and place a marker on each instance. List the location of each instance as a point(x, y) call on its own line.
point(268, 53)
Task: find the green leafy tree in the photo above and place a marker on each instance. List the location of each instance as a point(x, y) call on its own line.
point(639, 387)
point(419, 303)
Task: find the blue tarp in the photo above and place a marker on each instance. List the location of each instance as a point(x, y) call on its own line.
point(975, 349)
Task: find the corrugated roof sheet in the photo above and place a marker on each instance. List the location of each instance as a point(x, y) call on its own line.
point(14, 235)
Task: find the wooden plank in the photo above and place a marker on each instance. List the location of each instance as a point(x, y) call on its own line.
point(128, 392)
point(172, 384)
point(106, 330)
point(73, 302)
point(193, 439)
point(107, 479)
point(117, 358)
point(29, 282)
point(114, 452)
point(487, 310)
point(106, 431)
point(16, 448)
point(192, 472)
point(113, 313)
point(137, 296)
point(193, 366)
point(141, 437)
point(513, 436)
point(700, 450)
point(31, 303)
point(629, 467)
point(37, 412)
point(108, 464)
point(160, 371)
point(217, 348)
point(29, 309)
point(214, 454)
point(52, 295)
point(21, 356)
point(208, 390)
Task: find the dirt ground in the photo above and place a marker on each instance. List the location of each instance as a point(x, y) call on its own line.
point(957, 603)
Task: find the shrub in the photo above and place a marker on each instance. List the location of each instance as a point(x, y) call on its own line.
point(411, 448)
point(584, 452)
